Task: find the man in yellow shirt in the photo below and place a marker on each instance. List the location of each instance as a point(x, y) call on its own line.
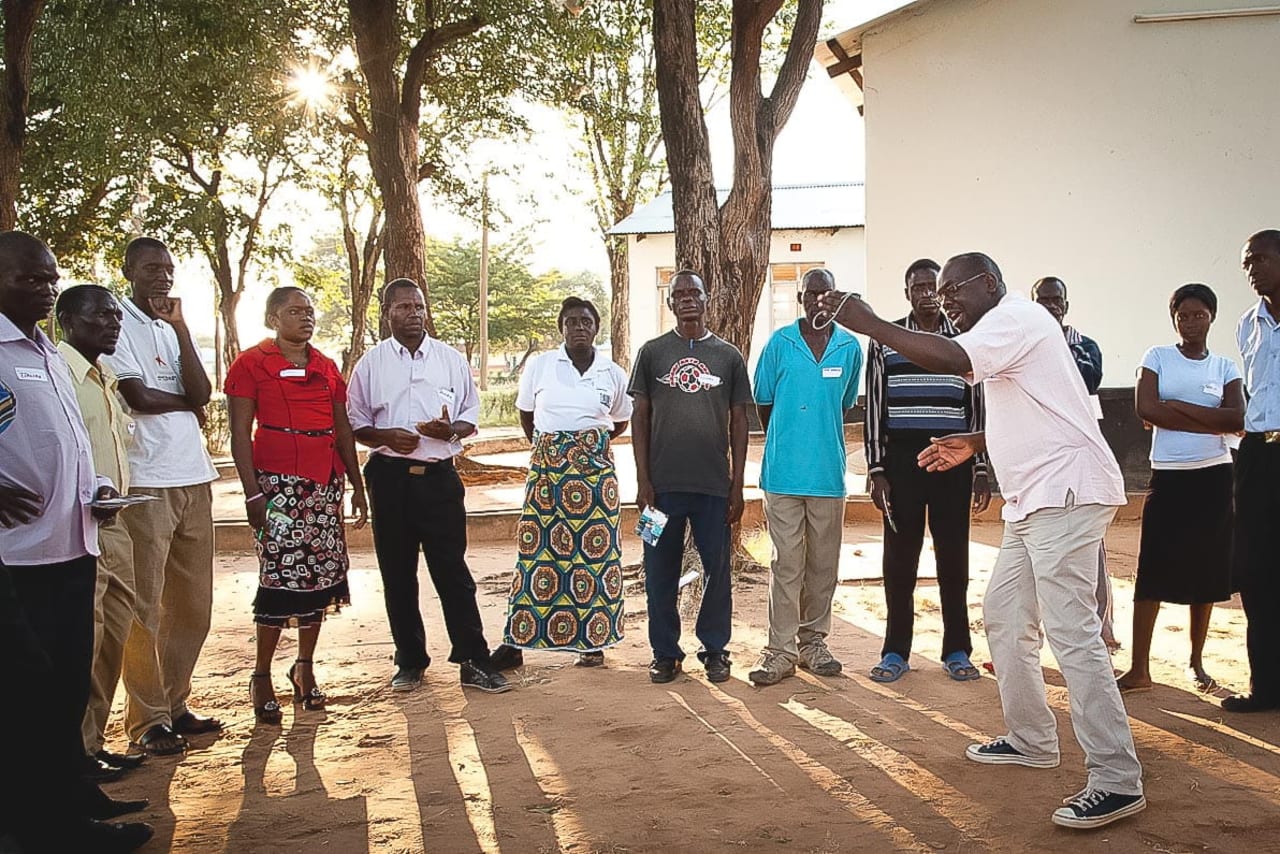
point(90, 319)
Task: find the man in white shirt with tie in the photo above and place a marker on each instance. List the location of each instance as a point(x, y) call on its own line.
point(411, 400)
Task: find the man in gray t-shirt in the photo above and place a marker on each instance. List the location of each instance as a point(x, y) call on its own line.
point(689, 435)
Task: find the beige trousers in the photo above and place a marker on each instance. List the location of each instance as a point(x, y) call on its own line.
point(173, 575)
point(806, 534)
point(113, 604)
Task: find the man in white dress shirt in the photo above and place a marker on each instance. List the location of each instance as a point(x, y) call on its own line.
point(1061, 486)
point(411, 400)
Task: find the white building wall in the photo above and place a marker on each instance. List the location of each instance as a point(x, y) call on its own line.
point(1064, 139)
point(842, 252)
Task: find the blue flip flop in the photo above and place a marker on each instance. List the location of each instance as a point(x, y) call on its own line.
point(960, 668)
point(890, 668)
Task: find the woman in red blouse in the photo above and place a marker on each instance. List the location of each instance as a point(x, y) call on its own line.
point(292, 470)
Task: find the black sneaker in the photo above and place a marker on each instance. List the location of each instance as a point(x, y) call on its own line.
point(1095, 808)
point(717, 666)
point(1246, 703)
point(506, 658)
point(1000, 752)
point(663, 670)
point(406, 679)
point(476, 675)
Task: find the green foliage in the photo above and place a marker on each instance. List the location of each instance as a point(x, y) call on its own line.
point(217, 425)
point(498, 407)
point(323, 274)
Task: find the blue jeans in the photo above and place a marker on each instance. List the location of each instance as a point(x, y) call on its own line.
point(708, 514)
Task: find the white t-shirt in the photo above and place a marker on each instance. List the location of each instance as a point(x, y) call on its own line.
point(1042, 435)
point(168, 448)
point(561, 399)
point(1198, 381)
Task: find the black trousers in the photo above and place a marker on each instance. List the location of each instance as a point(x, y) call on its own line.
point(419, 506)
point(1256, 567)
point(943, 500)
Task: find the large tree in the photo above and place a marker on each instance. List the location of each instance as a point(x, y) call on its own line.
point(729, 245)
point(19, 20)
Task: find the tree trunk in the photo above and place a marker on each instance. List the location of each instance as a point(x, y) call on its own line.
point(620, 300)
point(228, 299)
point(20, 17)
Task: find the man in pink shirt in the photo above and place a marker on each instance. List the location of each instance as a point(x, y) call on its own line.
point(1061, 485)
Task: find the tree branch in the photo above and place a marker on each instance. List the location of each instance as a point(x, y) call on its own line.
point(795, 67)
point(431, 42)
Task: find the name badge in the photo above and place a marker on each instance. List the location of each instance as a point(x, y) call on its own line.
point(832, 373)
point(31, 374)
point(1212, 389)
point(709, 380)
point(606, 398)
point(293, 373)
point(447, 399)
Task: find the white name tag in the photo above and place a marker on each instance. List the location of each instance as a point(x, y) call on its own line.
point(293, 373)
point(709, 380)
point(447, 398)
point(1212, 389)
point(33, 374)
point(832, 373)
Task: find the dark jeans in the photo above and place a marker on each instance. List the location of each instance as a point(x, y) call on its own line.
point(708, 514)
point(420, 506)
point(45, 748)
point(1256, 569)
point(943, 498)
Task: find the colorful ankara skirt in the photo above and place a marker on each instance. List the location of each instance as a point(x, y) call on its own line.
point(567, 589)
point(302, 574)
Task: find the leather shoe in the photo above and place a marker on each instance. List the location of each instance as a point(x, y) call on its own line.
point(506, 658)
point(152, 741)
point(1245, 703)
point(101, 771)
point(106, 807)
point(109, 837)
point(127, 761)
point(189, 723)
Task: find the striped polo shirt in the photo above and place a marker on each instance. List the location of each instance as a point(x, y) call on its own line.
point(907, 400)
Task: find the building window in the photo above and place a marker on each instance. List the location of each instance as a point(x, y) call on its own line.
point(784, 285)
point(666, 320)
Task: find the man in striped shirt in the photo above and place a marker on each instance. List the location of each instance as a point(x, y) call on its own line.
point(906, 406)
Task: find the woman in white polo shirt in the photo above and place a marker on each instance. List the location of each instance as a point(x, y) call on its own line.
point(1192, 399)
point(566, 593)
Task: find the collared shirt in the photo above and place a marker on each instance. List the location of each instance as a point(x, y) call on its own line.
point(44, 448)
point(110, 430)
point(906, 400)
point(1258, 335)
point(289, 403)
point(561, 399)
point(1041, 433)
point(804, 451)
point(168, 448)
point(392, 387)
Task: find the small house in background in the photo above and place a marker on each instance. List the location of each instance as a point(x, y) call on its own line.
point(814, 225)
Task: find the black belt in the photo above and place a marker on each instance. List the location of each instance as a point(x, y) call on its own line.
point(328, 432)
point(415, 467)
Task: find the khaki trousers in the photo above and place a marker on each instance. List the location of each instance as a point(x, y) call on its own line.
point(173, 575)
point(112, 619)
point(1047, 572)
point(806, 534)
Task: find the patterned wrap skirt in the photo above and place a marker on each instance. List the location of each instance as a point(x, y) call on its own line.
point(302, 574)
point(566, 592)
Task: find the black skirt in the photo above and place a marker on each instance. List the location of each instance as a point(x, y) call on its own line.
point(1185, 556)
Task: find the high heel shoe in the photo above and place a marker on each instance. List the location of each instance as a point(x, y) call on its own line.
point(269, 712)
point(313, 700)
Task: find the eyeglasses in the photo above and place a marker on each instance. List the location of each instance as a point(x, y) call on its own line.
point(948, 291)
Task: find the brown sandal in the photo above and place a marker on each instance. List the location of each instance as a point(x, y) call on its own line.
point(313, 700)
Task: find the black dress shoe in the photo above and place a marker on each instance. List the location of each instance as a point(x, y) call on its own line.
point(717, 666)
point(101, 771)
point(663, 670)
point(106, 807)
point(127, 761)
point(506, 658)
point(161, 740)
point(108, 837)
point(1245, 703)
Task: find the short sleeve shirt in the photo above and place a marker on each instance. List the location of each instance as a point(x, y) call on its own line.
point(1258, 336)
point(1041, 432)
point(1198, 381)
point(804, 452)
point(691, 386)
point(110, 430)
point(168, 447)
point(561, 399)
point(294, 410)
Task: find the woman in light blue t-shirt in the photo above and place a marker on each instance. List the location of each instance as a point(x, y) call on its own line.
point(1192, 400)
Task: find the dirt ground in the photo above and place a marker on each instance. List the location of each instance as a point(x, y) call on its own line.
point(601, 760)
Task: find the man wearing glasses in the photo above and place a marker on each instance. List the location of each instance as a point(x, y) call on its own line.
point(1061, 487)
point(907, 405)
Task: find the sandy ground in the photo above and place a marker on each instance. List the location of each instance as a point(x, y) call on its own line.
point(603, 761)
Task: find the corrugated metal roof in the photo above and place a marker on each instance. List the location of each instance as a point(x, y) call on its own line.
point(795, 206)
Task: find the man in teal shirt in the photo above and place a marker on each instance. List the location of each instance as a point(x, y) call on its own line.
point(806, 379)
